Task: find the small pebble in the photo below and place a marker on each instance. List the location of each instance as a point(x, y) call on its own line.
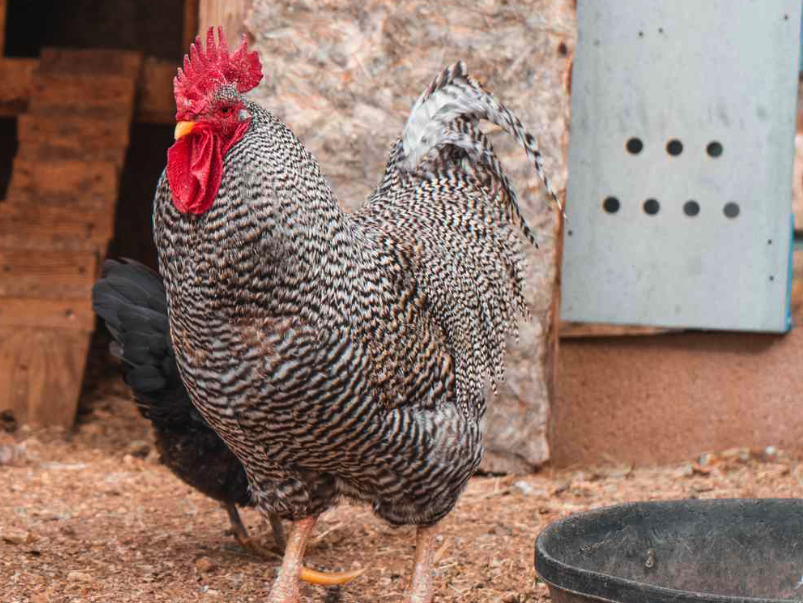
point(8, 421)
point(528, 489)
point(139, 448)
point(6, 455)
point(75, 576)
point(17, 537)
point(685, 470)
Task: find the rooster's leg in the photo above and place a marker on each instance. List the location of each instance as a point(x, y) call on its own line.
point(285, 588)
point(277, 527)
point(251, 544)
point(420, 590)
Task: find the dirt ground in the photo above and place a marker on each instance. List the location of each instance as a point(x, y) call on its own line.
point(91, 515)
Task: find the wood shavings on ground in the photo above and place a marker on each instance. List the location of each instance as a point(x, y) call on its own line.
point(91, 516)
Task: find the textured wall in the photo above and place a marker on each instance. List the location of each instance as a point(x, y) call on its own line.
point(344, 75)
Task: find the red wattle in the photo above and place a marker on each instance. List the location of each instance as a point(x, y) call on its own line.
point(195, 166)
point(194, 170)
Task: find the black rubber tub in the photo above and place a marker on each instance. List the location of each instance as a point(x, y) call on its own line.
point(690, 551)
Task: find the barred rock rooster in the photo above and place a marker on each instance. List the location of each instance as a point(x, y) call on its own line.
point(131, 300)
point(340, 355)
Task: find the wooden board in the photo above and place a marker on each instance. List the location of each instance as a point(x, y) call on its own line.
point(228, 13)
point(40, 374)
point(73, 137)
point(43, 221)
point(82, 181)
point(26, 239)
point(56, 222)
point(75, 315)
point(580, 329)
point(84, 93)
point(17, 78)
point(47, 274)
point(91, 62)
point(190, 23)
point(155, 102)
point(3, 7)
point(58, 152)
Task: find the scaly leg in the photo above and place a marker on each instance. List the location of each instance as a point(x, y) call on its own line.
point(277, 527)
point(286, 588)
point(251, 544)
point(420, 590)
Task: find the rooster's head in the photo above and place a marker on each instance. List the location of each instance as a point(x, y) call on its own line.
point(211, 116)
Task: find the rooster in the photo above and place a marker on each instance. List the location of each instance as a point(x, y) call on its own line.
point(340, 355)
point(131, 300)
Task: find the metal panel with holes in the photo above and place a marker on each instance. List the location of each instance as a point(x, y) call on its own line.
point(680, 163)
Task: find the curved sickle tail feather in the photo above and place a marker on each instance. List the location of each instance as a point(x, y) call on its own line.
point(448, 112)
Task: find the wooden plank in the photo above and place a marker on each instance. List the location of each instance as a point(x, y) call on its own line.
point(75, 133)
point(90, 61)
point(40, 374)
point(70, 314)
point(155, 102)
point(3, 8)
point(43, 222)
point(84, 93)
point(190, 23)
point(228, 13)
point(55, 288)
point(16, 76)
point(76, 180)
point(57, 152)
point(578, 329)
point(27, 239)
point(47, 275)
point(48, 265)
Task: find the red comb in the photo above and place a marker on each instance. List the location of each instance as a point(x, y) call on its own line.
point(205, 72)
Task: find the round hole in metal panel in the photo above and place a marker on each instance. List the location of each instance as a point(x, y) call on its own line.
point(714, 149)
point(731, 209)
point(611, 205)
point(651, 207)
point(691, 208)
point(674, 147)
point(634, 146)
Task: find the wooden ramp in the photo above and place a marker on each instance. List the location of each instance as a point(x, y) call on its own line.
point(55, 225)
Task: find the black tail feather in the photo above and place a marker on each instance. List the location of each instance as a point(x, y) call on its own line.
point(131, 299)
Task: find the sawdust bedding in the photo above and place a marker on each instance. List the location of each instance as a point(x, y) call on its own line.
point(91, 516)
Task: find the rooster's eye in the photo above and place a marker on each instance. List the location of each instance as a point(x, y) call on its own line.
point(225, 110)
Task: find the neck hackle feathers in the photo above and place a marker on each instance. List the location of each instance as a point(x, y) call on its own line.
point(206, 71)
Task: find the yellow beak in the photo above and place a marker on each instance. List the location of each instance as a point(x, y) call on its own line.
point(183, 128)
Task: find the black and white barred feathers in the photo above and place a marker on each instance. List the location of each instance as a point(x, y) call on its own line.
point(347, 355)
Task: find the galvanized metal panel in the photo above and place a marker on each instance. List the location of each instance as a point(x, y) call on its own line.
point(697, 72)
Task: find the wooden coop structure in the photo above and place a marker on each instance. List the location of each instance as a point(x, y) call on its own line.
point(74, 90)
point(86, 114)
